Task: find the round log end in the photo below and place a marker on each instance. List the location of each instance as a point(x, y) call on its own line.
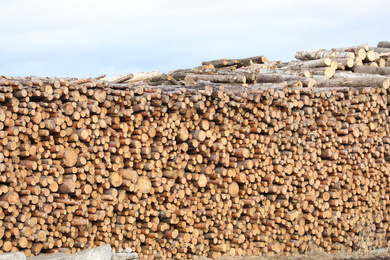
point(311, 83)
point(144, 184)
point(199, 135)
point(350, 63)
point(12, 197)
point(202, 181)
point(386, 83)
point(234, 189)
point(327, 61)
point(70, 157)
point(116, 179)
point(100, 95)
point(83, 134)
point(326, 196)
point(68, 109)
point(128, 174)
point(182, 134)
point(370, 56)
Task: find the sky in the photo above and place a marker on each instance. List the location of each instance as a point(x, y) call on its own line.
point(89, 38)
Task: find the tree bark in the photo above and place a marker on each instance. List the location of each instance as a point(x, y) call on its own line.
point(354, 82)
point(372, 70)
point(267, 77)
point(321, 54)
point(383, 44)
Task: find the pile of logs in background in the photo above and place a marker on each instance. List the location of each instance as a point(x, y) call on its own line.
point(235, 157)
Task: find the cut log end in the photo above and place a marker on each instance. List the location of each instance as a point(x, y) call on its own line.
point(70, 157)
point(144, 184)
point(234, 189)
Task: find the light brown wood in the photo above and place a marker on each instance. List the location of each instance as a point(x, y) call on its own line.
point(208, 170)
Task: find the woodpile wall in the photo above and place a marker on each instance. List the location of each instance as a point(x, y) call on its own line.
point(262, 159)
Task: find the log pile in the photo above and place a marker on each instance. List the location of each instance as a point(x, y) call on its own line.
point(209, 168)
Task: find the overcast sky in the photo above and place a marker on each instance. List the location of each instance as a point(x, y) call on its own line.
point(88, 38)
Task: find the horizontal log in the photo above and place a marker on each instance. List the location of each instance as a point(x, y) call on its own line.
point(268, 77)
point(321, 54)
point(372, 70)
point(355, 82)
point(383, 44)
point(217, 78)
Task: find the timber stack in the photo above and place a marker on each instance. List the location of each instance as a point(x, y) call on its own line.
point(235, 157)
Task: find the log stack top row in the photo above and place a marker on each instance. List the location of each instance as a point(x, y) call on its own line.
point(359, 65)
point(234, 157)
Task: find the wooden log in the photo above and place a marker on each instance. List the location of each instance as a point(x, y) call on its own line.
point(216, 78)
point(266, 77)
point(238, 62)
point(144, 184)
point(372, 70)
point(325, 62)
point(383, 44)
point(321, 54)
point(355, 82)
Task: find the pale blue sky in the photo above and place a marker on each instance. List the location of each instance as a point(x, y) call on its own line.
point(85, 38)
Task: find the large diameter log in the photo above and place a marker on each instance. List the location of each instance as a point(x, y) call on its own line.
point(268, 78)
point(372, 70)
point(354, 82)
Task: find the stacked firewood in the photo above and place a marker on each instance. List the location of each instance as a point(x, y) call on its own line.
point(206, 169)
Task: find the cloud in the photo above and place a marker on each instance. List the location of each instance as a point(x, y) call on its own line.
point(84, 38)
